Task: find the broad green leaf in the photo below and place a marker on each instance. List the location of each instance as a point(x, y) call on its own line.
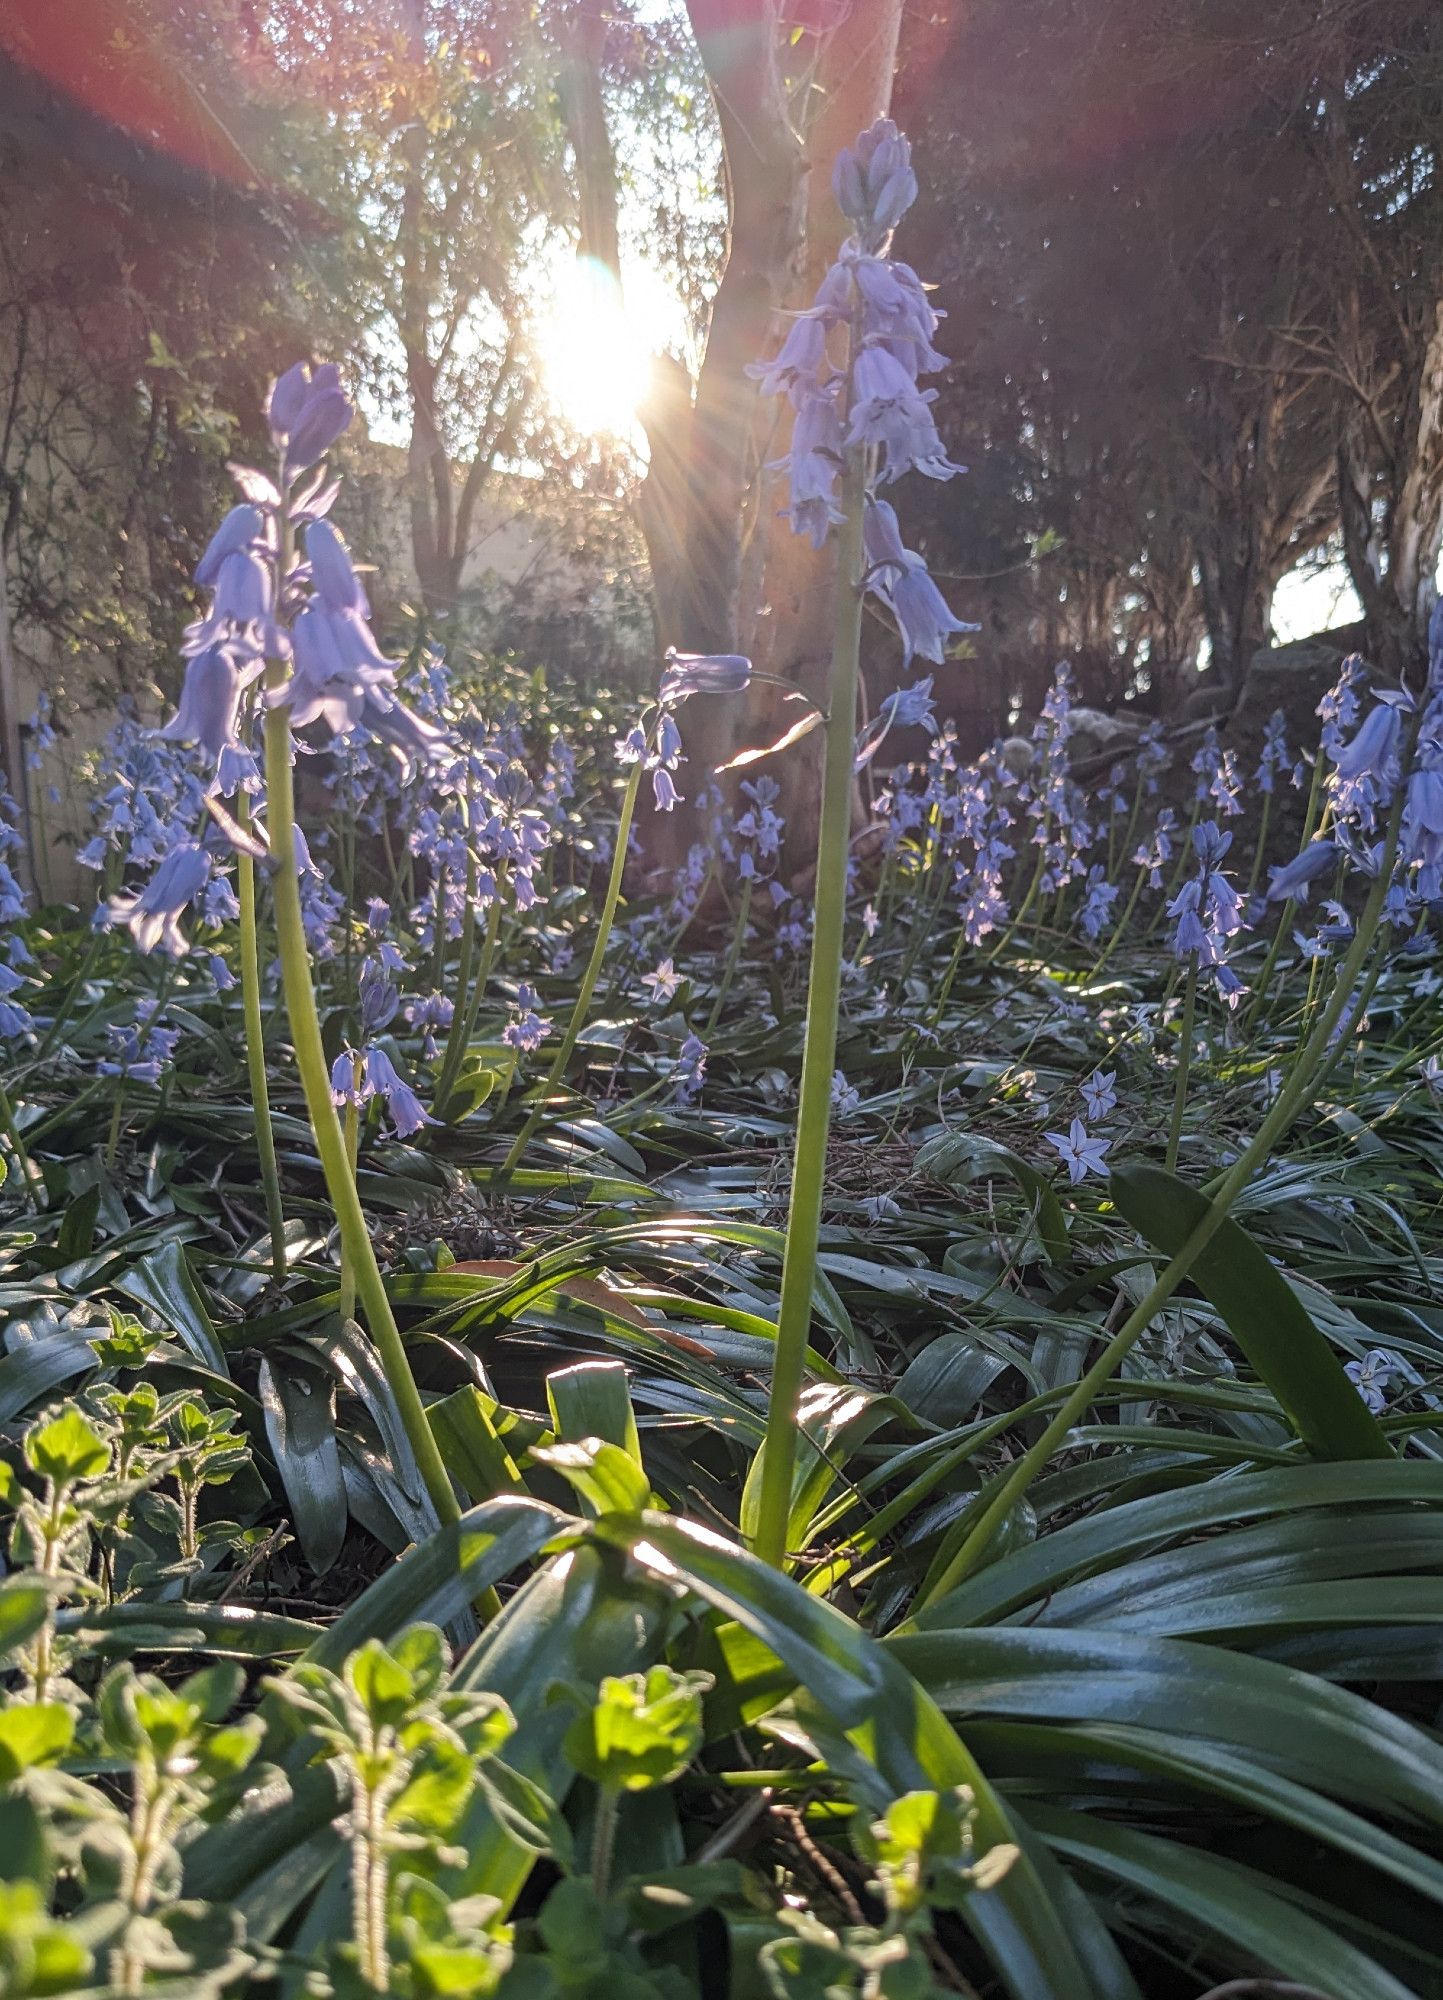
point(447, 1572)
point(1264, 1315)
point(301, 1425)
point(162, 1280)
point(606, 1479)
point(1024, 1576)
point(1246, 1920)
point(856, 1687)
point(593, 1400)
point(471, 1448)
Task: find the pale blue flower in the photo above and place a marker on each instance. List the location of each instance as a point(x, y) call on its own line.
point(1081, 1154)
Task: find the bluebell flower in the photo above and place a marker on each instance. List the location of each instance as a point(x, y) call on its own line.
point(222, 978)
point(243, 605)
point(889, 410)
point(690, 1070)
point(873, 181)
point(140, 1051)
point(801, 358)
point(1292, 881)
point(1373, 1376)
point(1421, 837)
point(208, 711)
point(1097, 905)
point(379, 1000)
point(333, 573)
point(814, 464)
point(846, 1098)
point(242, 529)
point(900, 579)
point(348, 1079)
point(406, 1111)
point(307, 412)
point(15, 1018)
point(1275, 755)
point(1209, 913)
point(1372, 755)
point(153, 915)
point(431, 1016)
point(686, 674)
point(219, 903)
point(664, 981)
point(907, 708)
point(526, 1030)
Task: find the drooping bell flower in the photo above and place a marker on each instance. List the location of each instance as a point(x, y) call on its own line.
point(210, 696)
point(153, 916)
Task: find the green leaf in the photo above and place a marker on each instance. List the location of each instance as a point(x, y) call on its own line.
point(34, 1369)
point(959, 1158)
point(67, 1449)
point(23, 1605)
point(602, 1475)
point(162, 1280)
point(1263, 1313)
point(31, 1734)
point(300, 1420)
point(471, 1448)
point(1104, 1539)
point(640, 1729)
point(1248, 1922)
point(593, 1400)
point(900, 1741)
point(439, 1579)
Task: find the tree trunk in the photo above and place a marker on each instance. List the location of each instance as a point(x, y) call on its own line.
point(1390, 492)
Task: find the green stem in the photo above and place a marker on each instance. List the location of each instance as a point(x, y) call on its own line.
point(1258, 1002)
point(1029, 899)
point(1122, 923)
point(315, 1082)
point(351, 1133)
point(1181, 865)
point(589, 979)
point(1184, 1063)
point(814, 1113)
point(603, 1838)
point(1314, 1062)
point(112, 1142)
point(250, 958)
point(30, 1175)
point(456, 1039)
point(1260, 851)
point(729, 973)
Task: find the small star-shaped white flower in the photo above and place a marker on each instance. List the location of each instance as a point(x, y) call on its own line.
point(663, 982)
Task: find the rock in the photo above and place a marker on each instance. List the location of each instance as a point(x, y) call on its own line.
point(1095, 732)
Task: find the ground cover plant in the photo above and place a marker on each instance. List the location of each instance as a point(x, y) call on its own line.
point(867, 1432)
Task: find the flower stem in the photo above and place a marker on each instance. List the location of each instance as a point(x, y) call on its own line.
point(1184, 1062)
point(589, 979)
point(729, 972)
point(315, 1082)
point(1120, 930)
point(814, 1112)
point(250, 958)
point(1315, 1059)
point(603, 1838)
point(351, 1133)
point(30, 1175)
point(456, 1039)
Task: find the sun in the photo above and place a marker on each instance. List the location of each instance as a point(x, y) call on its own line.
point(595, 354)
